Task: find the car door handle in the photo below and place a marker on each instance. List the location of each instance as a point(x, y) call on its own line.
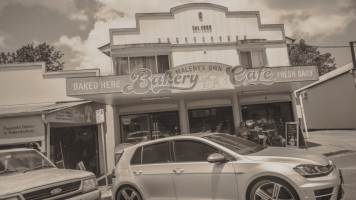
point(178, 170)
point(138, 172)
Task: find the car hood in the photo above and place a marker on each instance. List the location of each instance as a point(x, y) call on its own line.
point(19, 182)
point(289, 155)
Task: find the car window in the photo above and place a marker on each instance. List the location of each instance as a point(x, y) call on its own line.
point(236, 144)
point(156, 153)
point(192, 151)
point(136, 158)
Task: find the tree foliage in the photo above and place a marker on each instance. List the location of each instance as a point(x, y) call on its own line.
point(31, 53)
point(301, 54)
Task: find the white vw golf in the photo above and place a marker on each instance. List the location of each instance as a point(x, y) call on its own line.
point(221, 166)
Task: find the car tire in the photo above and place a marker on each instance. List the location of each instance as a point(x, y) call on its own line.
point(272, 188)
point(128, 193)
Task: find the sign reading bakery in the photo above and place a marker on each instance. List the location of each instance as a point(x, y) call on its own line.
point(190, 78)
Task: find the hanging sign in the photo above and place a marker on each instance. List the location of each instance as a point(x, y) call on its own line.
point(100, 117)
point(292, 134)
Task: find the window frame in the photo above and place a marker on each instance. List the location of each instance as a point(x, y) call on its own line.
point(116, 70)
point(140, 147)
point(158, 142)
point(250, 50)
point(174, 160)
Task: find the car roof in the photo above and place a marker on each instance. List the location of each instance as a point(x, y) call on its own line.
point(185, 136)
point(15, 150)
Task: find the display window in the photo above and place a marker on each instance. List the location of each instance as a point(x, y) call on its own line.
point(265, 123)
point(211, 120)
point(142, 127)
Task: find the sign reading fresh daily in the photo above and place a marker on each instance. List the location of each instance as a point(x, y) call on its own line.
point(190, 77)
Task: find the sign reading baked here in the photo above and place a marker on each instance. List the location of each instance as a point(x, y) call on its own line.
point(188, 78)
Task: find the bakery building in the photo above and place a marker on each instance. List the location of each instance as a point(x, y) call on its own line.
point(197, 68)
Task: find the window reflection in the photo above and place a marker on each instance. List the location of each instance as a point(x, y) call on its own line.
point(143, 127)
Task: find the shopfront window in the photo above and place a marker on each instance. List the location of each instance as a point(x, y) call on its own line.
point(268, 120)
point(155, 63)
point(211, 120)
point(142, 127)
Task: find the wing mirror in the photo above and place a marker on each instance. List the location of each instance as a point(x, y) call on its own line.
point(217, 158)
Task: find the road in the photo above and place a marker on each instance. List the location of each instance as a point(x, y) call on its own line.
point(347, 163)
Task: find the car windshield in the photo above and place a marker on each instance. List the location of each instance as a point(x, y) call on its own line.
point(22, 161)
point(236, 144)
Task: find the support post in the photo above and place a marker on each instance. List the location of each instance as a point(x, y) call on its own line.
point(104, 152)
point(236, 111)
point(183, 117)
point(48, 140)
point(303, 114)
point(353, 53)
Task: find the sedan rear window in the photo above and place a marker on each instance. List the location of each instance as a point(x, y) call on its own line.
point(236, 144)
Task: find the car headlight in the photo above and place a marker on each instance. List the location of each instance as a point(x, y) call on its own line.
point(90, 184)
point(310, 171)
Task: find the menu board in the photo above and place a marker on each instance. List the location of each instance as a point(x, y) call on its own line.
point(292, 134)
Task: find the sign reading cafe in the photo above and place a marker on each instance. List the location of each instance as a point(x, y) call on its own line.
point(189, 77)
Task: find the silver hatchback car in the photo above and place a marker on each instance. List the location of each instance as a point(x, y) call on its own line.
point(221, 166)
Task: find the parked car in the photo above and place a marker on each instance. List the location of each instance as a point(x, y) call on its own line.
point(27, 174)
point(221, 166)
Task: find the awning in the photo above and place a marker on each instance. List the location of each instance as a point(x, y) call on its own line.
point(35, 109)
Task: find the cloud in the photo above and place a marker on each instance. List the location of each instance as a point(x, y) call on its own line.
point(302, 18)
point(64, 7)
point(2, 41)
point(320, 26)
point(79, 16)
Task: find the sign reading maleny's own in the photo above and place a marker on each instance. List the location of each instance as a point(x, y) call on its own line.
point(190, 78)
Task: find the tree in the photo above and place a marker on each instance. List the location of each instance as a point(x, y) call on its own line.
point(301, 54)
point(40, 53)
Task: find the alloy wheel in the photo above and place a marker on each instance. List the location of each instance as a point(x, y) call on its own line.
point(273, 191)
point(128, 193)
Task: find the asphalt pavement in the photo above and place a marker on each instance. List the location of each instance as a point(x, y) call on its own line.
point(347, 164)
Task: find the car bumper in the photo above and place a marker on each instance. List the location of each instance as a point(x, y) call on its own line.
point(328, 187)
point(93, 195)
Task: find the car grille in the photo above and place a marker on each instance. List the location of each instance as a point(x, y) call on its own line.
point(323, 194)
point(48, 192)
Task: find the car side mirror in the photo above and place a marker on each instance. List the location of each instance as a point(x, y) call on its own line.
point(216, 158)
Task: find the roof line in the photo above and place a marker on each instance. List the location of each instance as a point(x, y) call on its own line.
point(139, 16)
point(335, 73)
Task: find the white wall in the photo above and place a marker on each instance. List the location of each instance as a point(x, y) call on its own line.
point(180, 26)
point(228, 56)
point(24, 84)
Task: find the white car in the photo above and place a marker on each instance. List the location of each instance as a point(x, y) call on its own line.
point(25, 174)
point(224, 167)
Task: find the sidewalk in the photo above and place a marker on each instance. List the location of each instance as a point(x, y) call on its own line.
point(332, 142)
point(105, 192)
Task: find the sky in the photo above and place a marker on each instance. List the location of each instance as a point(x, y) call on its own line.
point(78, 27)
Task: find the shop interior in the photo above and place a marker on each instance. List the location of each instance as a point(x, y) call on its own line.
point(71, 145)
